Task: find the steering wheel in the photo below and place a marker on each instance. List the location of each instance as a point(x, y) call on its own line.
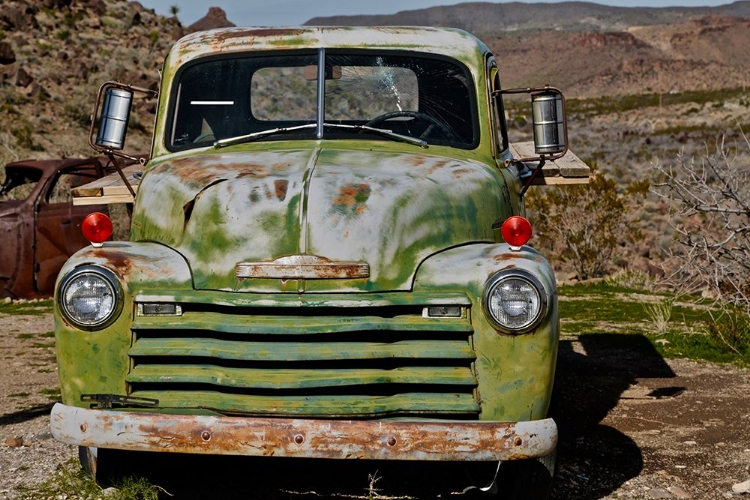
point(432, 123)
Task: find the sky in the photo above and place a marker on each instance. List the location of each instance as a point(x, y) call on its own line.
point(297, 12)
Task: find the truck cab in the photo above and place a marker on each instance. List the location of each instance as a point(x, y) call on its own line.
point(327, 259)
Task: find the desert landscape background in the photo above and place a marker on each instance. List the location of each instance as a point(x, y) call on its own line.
point(645, 86)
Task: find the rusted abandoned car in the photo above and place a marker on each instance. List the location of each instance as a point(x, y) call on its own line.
point(327, 259)
point(39, 225)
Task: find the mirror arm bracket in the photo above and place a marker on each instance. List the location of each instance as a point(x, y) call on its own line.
point(109, 152)
point(538, 91)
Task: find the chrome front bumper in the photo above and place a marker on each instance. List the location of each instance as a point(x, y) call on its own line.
point(305, 438)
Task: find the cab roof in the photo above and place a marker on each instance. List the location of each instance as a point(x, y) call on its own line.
point(450, 42)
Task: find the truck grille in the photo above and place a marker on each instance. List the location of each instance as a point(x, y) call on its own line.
point(322, 362)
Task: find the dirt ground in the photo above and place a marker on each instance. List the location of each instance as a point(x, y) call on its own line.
point(632, 425)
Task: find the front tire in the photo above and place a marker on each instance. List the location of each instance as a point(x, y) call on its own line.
point(527, 479)
point(518, 480)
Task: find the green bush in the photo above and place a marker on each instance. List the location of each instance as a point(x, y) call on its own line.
point(583, 225)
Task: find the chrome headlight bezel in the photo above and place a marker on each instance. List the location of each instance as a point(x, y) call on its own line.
point(110, 297)
point(533, 289)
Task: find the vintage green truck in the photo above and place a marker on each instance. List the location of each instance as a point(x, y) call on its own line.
point(327, 259)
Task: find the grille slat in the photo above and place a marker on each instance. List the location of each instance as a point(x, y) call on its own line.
point(298, 378)
point(299, 351)
point(343, 406)
point(295, 324)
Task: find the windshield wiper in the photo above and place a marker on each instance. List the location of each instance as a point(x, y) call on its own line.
point(231, 141)
point(382, 131)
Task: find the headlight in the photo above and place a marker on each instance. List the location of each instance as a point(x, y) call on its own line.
point(515, 301)
point(90, 297)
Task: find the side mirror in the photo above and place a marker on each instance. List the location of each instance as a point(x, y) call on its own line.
point(549, 120)
point(115, 100)
point(550, 127)
point(113, 123)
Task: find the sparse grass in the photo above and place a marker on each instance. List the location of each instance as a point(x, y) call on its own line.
point(35, 308)
point(70, 482)
point(678, 327)
point(619, 104)
point(41, 345)
point(660, 314)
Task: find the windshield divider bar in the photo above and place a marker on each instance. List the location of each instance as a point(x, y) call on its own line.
point(321, 90)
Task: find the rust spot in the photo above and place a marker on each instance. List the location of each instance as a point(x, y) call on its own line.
point(228, 35)
point(251, 170)
point(459, 172)
point(502, 257)
point(518, 441)
point(437, 166)
point(414, 161)
point(281, 186)
point(353, 196)
point(83, 427)
point(118, 262)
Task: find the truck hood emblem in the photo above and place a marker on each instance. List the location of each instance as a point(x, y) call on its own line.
point(302, 267)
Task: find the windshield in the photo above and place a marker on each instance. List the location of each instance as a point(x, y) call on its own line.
point(416, 96)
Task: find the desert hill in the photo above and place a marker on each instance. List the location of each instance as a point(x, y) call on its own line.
point(701, 54)
point(486, 19)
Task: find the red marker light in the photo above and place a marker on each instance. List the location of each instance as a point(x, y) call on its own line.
point(516, 231)
point(97, 228)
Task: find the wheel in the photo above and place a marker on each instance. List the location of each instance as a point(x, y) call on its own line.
point(432, 122)
point(527, 479)
point(106, 466)
point(87, 456)
point(519, 480)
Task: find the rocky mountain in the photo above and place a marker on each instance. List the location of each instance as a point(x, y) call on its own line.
point(488, 19)
point(594, 50)
point(216, 18)
point(700, 54)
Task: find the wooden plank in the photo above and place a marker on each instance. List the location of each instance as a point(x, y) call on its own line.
point(109, 189)
point(569, 169)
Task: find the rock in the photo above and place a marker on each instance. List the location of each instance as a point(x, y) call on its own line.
point(23, 78)
point(216, 18)
point(15, 18)
point(98, 7)
point(14, 442)
point(7, 54)
point(678, 492)
point(743, 487)
point(658, 493)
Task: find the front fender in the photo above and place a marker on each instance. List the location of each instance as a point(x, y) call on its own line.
point(515, 372)
point(94, 359)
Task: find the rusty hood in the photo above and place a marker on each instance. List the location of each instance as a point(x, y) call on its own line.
point(329, 218)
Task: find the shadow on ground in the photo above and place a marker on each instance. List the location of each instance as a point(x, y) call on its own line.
point(25, 415)
point(592, 373)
